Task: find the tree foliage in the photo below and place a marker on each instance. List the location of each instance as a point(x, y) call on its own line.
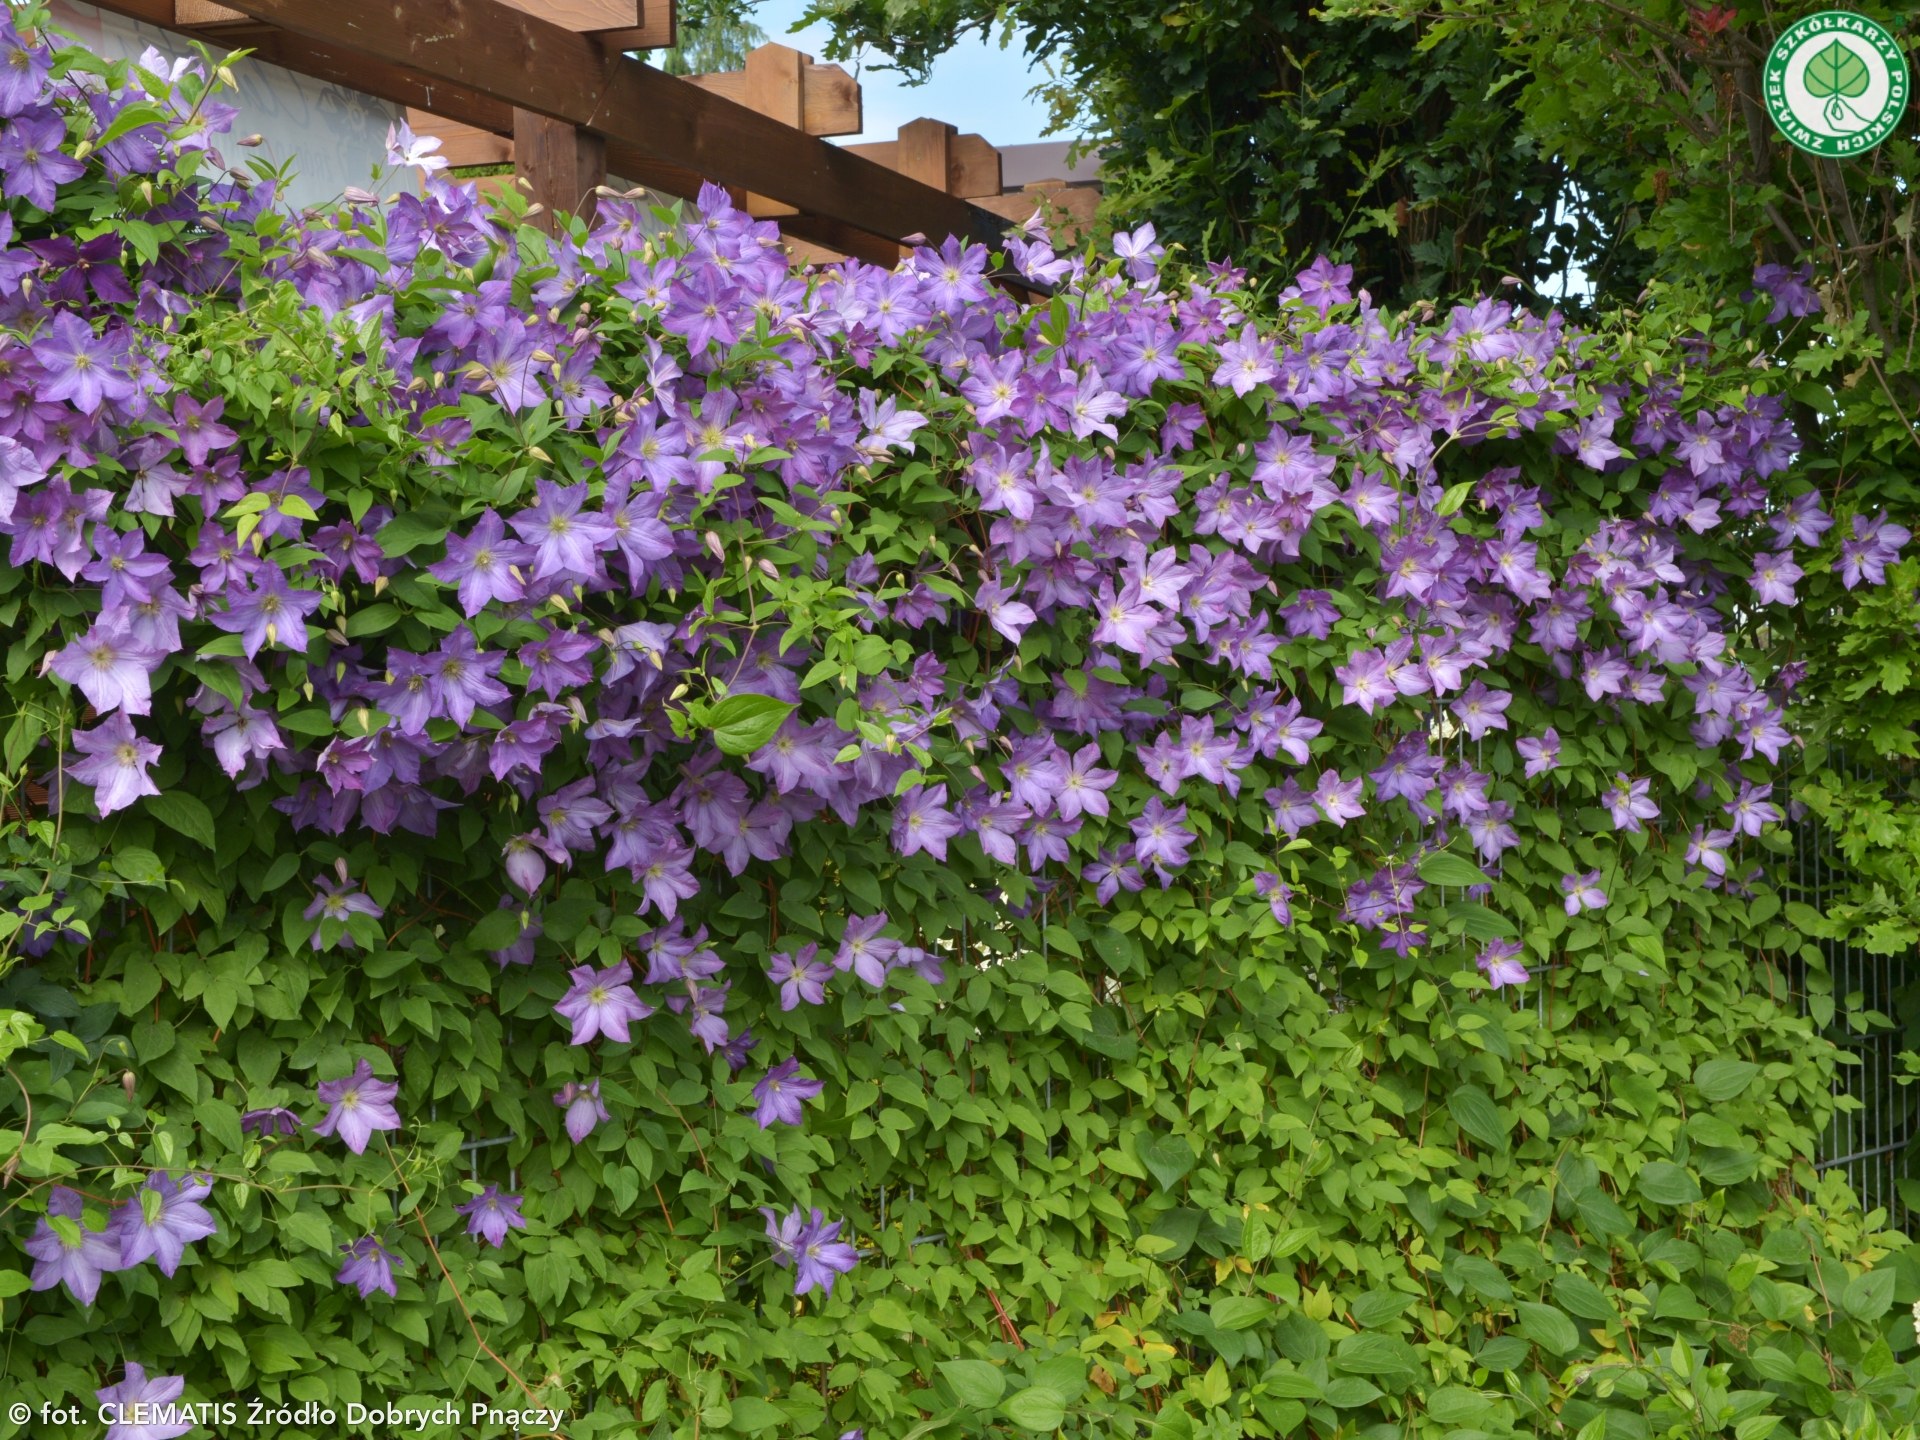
point(1255, 130)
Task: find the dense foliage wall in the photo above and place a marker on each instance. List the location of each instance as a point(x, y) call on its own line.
point(1671, 95)
point(600, 824)
point(1256, 130)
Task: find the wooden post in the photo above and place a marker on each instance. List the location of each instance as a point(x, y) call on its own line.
point(925, 150)
point(561, 163)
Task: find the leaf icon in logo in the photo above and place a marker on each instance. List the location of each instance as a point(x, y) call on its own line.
point(1836, 71)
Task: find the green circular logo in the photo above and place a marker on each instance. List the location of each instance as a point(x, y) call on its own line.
point(1836, 83)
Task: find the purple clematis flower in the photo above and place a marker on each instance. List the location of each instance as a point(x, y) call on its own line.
point(369, 1266)
point(811, 1247)
point(268, 612)
point(275, 1120)
point(360, 1105)
point(1628, 802)
point(1161, 836)
point(145, 1407)
point(865, 951)
point(1500, 963)
point(566, 540)
point(162, 1220)
point(922, 821)
point(1583, 892)
point(585, 1111)
point(1542, 754)
point(1278, 895)
point(801, 975)
point(32, 167)
point(485, 566)
point(601, 1002)
point(110, 667)
point(491, 1213)
point(115, 763)
point(781, 1094)
point(335, 899)
point(68, 1253)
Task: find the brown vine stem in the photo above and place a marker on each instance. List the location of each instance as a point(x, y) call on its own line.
point(473, 1324)
point(26, 1130)
point(460, 1299)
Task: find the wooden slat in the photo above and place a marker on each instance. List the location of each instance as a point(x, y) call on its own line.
point(205, 12)
point(829, 96)
point(1068, 209)
point(973, 167)
point(924, 150)
point(560, 165)
point(462, 144)
point(805, 252)
point(485, 48)
point(659, 28)
point(844, 239)
point(586, 16)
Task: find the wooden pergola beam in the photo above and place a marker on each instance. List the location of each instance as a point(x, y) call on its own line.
point(651, 122)
point(626, 20)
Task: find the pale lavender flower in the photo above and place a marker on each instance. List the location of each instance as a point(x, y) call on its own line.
point(864, 950)
point(274, 1120)
point(360, 1105)
point(145, 1407)
point(1628, 802)
point(369, 1266)
point(922, 821)
point(801, 975)
point(781, 1094)
point(70, 1254)
point(178, 1218)
point(601, 1002)
point(1583, 892)
point(491, 1213)
point(114, 763)
point(1542, 754)
point(584, 1108)
point(110, 667)
point(1500, 962)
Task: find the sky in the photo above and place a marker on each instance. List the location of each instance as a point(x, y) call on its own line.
point(977, 86)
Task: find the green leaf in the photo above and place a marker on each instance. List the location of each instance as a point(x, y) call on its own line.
point(1473, 1111)
point(496, 930)
point(1721, 1080)
point(1665, 1183)
point(752, 1414)
point(1836, 70)
point(1170, 1159)
point(1036, 1408)
point(1547, 1327)
point(1454, 498)
point(131, 119)
point(138, 866)
point(741, 724)
point(1869, 1295)
point(977, 1384)
point(409, 530)
point(1443, 867)
point(186, 813)
point(372, 619)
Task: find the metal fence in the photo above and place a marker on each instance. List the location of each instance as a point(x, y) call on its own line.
point(1874, 1140)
